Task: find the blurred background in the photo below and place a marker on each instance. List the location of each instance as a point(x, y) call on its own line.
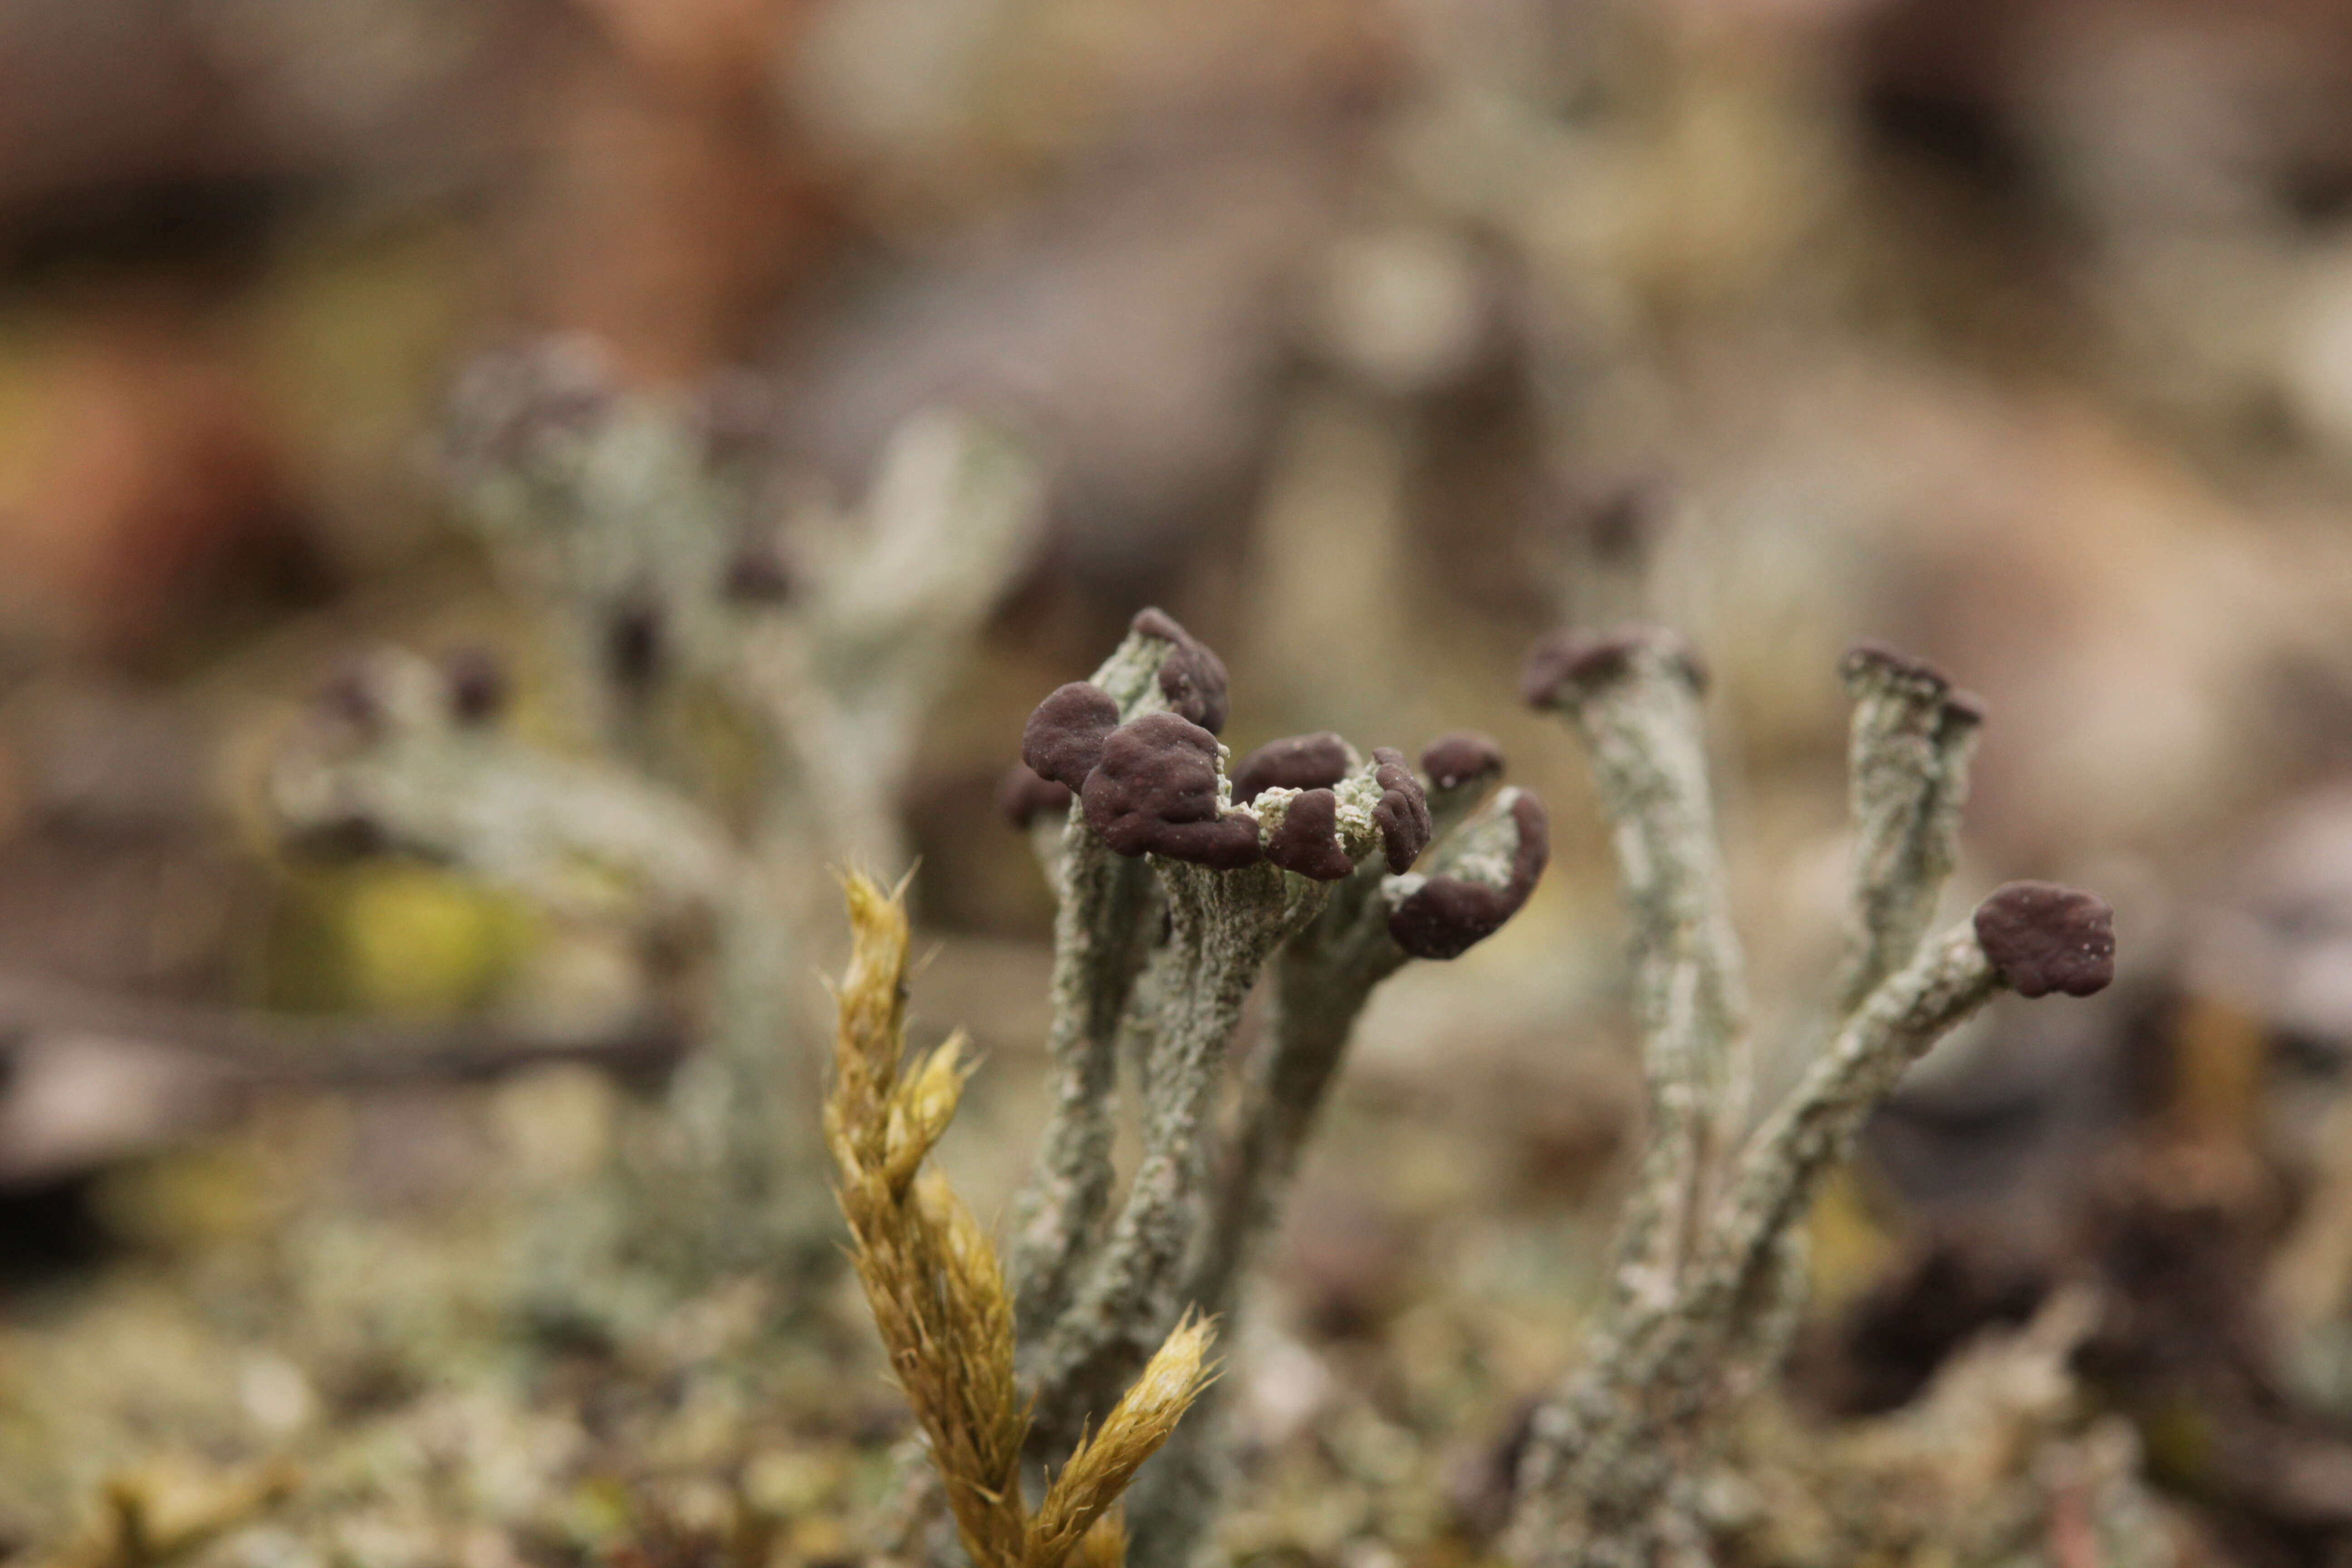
point(1371, 339)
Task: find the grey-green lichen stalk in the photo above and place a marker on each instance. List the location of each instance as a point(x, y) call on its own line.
point(1708, 1260)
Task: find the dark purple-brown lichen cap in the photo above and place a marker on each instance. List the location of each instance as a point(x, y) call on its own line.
point(758, 573)
point(1024, 795)
point(1871, 658)
point(1308, 842)
point(510, 403)
point(2041, 938)
point(1296, 762)
point(349, 698)
point(1154, 791)
point(1447, 916)
point(1401, 813)
point(736, 413)
point(1871, 661)
point(1567, 663)
point(349, 835)
point(1617, 522)
point(1459, 757)
point(1064, 737)
point(1191, 678)
point(633, 643)
point(477, 685)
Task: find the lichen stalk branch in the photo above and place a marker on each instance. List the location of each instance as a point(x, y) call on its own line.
point(410, 775)
point(1781, 1169)
point(1102, 902)
point(1480, 871)
point(1633, 698)
point(1323, 978)
point(1224, 925)
point(1599, 1486)
point(829, 791)
point(737, 1100)
point(1098, 951)
point(1912, 740)
point(844, 680)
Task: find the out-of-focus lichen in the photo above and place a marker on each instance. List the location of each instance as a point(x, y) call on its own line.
point(635, 529)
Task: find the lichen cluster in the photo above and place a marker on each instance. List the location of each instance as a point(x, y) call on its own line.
point(691, 619)
point(1183, 881)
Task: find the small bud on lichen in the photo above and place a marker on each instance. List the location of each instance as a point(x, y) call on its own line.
point(757, 574)
point(1024, 795)
point(1568, 663)
point(1064, 737)
point(1402, 813)
point(1454, 759)
point(1870, 665)
point(1308, 842)
point(349, 835)
point(1870, 659)
point(2041, 938)
point(1617, 523)
point(477, 686)
point(633, 644)
point(1300, 762)
point(1191, 678)
point(1447, 916)
point(512, 405)
point(1154, 790)
point(737, 414)
point(349, 699)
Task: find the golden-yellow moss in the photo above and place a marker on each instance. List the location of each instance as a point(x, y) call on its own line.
point(938, 1291)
